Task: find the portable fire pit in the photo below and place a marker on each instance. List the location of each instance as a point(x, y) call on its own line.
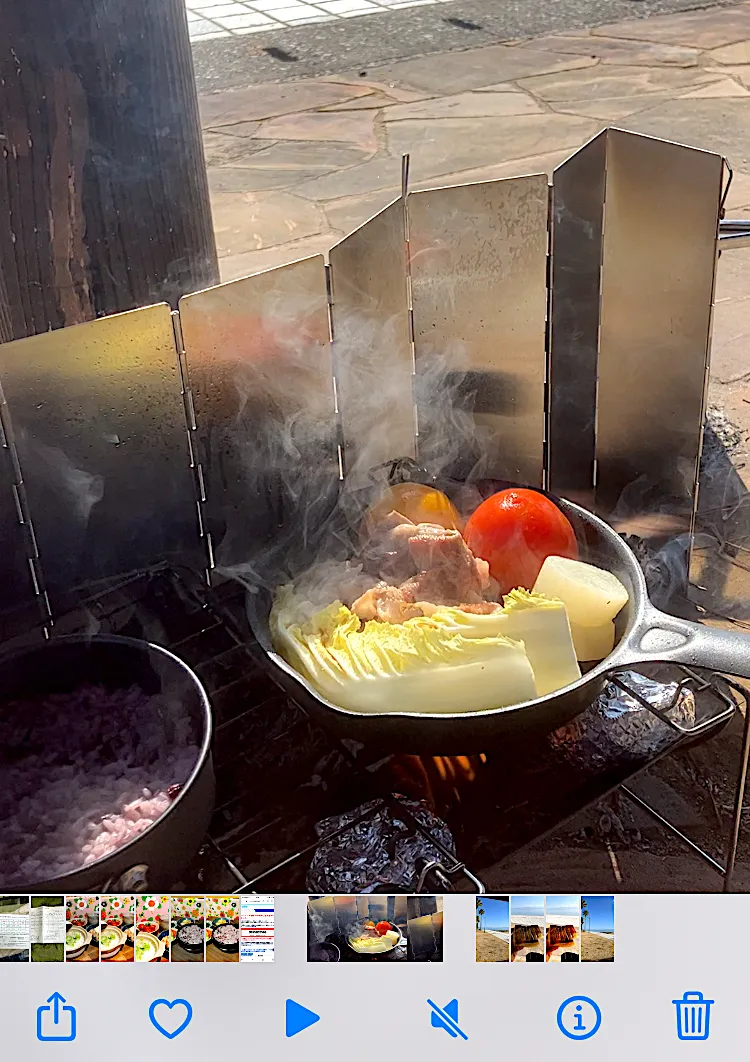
point(157, 463)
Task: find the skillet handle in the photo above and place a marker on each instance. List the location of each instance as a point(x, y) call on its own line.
point(662, 637)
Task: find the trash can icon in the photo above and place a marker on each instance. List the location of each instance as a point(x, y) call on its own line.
point(693, 1016)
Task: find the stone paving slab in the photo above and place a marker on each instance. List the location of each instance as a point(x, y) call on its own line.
point(615, 82)
point(451, 144)
point(286, 164)
point(341, 44)
point(269, 101)
point(293, 168)
point(610, 111)
point(693, 29)
point(632, 53)
point(466, 105)
point(357, 129)
point(335, 143)
point(260, 218)
point(474, 69)
point(711, 124)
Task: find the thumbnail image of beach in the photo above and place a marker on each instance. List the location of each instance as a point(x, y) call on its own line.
point(597, 929)
point(493, 929)
point(527, 929)
point(563, 919)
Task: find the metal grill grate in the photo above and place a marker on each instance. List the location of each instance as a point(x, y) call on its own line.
point(279, 774)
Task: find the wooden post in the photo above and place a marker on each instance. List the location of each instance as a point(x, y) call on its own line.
point(103, 191)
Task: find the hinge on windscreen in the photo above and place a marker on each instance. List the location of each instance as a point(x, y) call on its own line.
point(23, 515)
point(196, 466)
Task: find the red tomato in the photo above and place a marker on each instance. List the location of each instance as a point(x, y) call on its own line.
point(515, 531)
point(382, 928)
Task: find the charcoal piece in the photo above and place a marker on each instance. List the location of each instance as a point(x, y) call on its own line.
point(380, 850)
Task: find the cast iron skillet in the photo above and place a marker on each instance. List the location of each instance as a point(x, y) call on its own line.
point(644, 634)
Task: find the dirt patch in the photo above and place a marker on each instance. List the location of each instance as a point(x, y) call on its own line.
point(491, 948)
point(596, 949)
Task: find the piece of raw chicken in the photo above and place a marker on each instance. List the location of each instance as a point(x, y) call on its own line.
point(433, 566)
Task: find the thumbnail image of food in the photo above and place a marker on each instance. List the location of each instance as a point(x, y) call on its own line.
point(563, 918)
point(500, 607)
point(47, 928)
point(82, 918)
point(188, 929)
point(527, 929)
point(597, 929)
point(222, 929)
point(14, 928)
point(152, 929)
point(375, 929)
point(116, 933)
point(493, 929)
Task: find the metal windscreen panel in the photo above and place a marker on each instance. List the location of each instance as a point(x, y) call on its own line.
point(371, 344)
point(478, 259)
point(259, 365)
point(576, 253)
point(22, 605)
point(658, 264)
point(97, 419)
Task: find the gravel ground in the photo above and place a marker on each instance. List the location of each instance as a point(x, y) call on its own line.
point(354, 43)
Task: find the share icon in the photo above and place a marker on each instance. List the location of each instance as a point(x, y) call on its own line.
point(446, 1018)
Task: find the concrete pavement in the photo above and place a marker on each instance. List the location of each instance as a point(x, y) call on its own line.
point(248, 42)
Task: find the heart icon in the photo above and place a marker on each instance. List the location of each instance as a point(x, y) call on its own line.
point(170, 1018)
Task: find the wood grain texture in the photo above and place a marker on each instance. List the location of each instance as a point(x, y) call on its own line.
point(102, 176)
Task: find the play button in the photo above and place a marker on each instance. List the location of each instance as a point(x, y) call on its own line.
point(298, 1018)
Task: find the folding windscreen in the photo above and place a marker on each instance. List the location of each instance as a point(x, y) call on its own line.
point(261, 380)
point(428, 336)
point(97, 452)
point(634, 239)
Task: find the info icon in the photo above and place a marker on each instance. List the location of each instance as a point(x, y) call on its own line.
point(578, 1017)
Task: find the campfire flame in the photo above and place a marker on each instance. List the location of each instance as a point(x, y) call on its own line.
point(439, 781)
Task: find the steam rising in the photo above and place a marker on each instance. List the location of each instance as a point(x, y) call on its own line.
point(286, 508)
point(298, 473)
point(79, 490)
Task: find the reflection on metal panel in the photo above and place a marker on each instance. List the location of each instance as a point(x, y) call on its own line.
point(658, 263)
point(478, 265)
point(372, 350)
point(259, 364)
point(720, 551)
point(577, 215)
point(97, 419)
